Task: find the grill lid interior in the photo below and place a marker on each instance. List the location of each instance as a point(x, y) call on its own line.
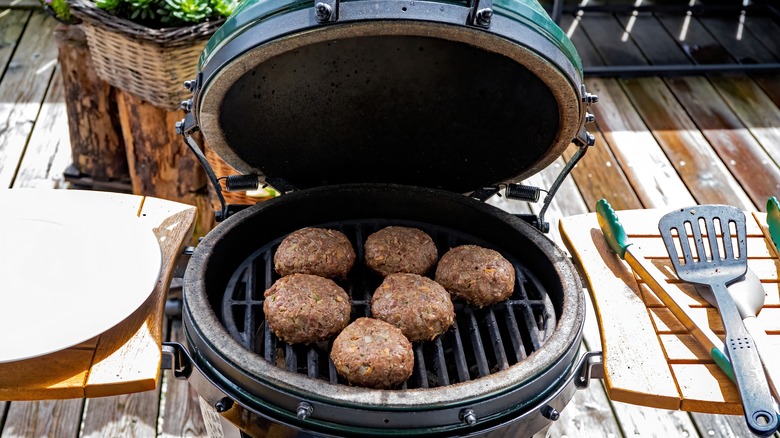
point(411, 103)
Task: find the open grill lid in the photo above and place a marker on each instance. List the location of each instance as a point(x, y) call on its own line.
point(384, 91)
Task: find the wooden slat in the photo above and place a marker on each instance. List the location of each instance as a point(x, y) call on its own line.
point(636, 371)
point(655, 44)
point(705, 175)
point(48, 151)
point(123, 415)
point(20, 4)
point(143, 329)
point(666, 322)
point(736, 39)
point(60, 418)
point(765, 30)
point(22, 91)
point(757, 112)
point(180, 413)
point(11, 26)
point(735, 145)
point(651, 174)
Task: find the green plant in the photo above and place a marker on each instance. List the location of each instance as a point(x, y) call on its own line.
point(168, 13)
point(59, 9)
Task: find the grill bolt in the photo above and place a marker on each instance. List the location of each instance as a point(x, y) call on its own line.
point(223, 405)
point(189, 85)
point(186, 105)
point(550, 413)
point(468, 416)
point(484, 16)
point(590, 98)
point(589, 118)
point(304, 410)
point(323, 12)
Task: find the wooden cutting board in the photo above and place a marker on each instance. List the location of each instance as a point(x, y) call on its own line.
point(650, 359)
point(126, 358)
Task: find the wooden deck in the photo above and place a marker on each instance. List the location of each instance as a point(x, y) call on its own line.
point(660, 143)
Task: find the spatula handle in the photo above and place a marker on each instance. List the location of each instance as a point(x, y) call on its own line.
point(765, 352)
point(751, 380)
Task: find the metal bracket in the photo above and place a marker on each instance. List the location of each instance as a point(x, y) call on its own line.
point(591, 366)
point(326, 10)
point(182, 261)
point(175, 358)
point(481, 13)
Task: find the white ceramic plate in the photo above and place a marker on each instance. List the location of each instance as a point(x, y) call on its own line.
point(68, 276)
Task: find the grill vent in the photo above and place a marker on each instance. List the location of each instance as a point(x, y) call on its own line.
point(481, 342)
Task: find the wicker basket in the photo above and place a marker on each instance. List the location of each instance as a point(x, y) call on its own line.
point(223, 169)
point(149, 63)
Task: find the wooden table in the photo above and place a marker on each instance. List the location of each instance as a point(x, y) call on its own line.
point(650, 357)
point(127, 357)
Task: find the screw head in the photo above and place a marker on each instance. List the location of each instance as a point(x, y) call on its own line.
point(468, 416)
point(589, 118)
point(223, 405)
point(484, 16)
point(550, 413)
point(186, 105)
point(305, 410)
point(323, 12)
point(189, 85)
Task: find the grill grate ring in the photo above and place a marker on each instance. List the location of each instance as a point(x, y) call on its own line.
point(481, 342)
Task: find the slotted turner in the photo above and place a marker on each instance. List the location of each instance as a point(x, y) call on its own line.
point(717, 263)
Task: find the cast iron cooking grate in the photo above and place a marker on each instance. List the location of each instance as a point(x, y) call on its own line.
point(481, 342)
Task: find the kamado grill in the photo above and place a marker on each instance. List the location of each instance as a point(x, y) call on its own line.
point(369, 113)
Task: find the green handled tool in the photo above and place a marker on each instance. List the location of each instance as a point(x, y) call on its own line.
point(773, 220)
point(670, 294)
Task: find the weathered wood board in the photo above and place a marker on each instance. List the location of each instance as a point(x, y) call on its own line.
point(650, 358)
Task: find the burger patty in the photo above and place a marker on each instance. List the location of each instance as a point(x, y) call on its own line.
point(304, 308)
point(400, 249)
point(317, 251)
point(373, 353)
point(417, 305)
point(479, 276)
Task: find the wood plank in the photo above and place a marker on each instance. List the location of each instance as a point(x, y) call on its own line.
point(651, 174)
point(22, 90)
point(611, 41)
point(588, 414)
point(11, 27)
point(754, 109)
point(667, 323)
point(54, 419)
point(772, 290)
point(20, 4)
point(745, 158)
point(578, 37)
point(123, 415)
point(765, 30)
point(732, 34)
point(707, 389)
point(64, 373)
point(636, 371)
point(730, 426)
point(655, 44)
point(705, 175)
point(180, 413)
point(48, 151)
point(120, 366)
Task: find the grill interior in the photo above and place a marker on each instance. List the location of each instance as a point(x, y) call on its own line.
point(481, 342)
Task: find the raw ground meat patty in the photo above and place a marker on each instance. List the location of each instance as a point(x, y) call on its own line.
point(400, 249)
point(417, 305)
point(303, 308)
point(479, 276)
point(373, 353)
point(317, 251)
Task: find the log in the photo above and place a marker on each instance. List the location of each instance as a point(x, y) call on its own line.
point(93, 121)
point(160, 163)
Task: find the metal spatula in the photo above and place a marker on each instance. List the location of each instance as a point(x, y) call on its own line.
point(716, 264)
